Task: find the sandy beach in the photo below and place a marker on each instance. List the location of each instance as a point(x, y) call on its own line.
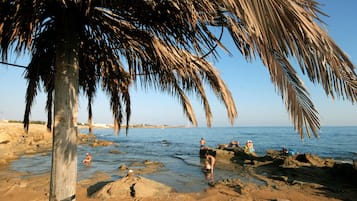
point(302, 177)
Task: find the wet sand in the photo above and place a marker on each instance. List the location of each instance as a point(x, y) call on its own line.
point(303, 177)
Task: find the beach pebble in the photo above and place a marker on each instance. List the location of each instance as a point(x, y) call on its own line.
point(123, 167)
point(22, 184)
point(249, 162)
point(130, 173)
point(280, 178)
point(114, 152)
point(148, 162)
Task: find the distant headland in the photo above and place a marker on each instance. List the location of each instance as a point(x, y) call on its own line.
point(104, 125)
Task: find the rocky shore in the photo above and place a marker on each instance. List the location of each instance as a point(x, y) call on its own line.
point(298, 177)
point(14, 141)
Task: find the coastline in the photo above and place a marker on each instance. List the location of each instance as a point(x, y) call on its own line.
point(309, 178)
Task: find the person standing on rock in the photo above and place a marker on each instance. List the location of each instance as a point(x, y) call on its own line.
point(203, 143)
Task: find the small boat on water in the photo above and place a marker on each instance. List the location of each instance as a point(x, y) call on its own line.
point(208, 151)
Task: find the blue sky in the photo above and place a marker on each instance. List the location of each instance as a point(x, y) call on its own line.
point(255, 96)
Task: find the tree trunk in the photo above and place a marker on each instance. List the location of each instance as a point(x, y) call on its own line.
point(65, 131)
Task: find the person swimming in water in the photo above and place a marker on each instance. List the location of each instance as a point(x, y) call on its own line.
point(87, 161)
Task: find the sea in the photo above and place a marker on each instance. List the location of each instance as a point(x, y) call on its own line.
point(178, 150)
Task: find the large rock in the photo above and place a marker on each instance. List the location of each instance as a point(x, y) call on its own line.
point(5, 138)
point(6, 148)
point(314, 160)
point(132, 186)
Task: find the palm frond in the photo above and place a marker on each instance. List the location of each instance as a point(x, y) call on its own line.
point(290, 29)
point(164, 45)
point(31, 93)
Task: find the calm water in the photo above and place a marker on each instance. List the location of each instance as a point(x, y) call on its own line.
point(177, 149)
